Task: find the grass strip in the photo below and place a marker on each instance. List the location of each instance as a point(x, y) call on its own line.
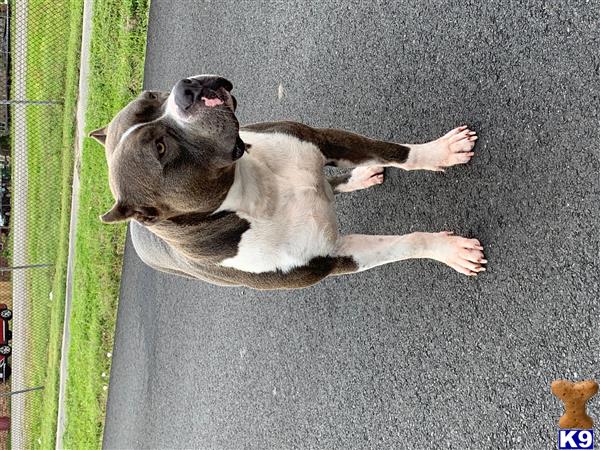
point(117, 53)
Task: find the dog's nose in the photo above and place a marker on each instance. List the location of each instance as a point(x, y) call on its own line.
point(187, 92)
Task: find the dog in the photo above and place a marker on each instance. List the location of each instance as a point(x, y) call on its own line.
point(250, 205)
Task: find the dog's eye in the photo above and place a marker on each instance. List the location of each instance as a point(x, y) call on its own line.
point(151, 95)
point(160, 147)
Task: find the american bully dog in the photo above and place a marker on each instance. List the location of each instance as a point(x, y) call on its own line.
point(250, 205)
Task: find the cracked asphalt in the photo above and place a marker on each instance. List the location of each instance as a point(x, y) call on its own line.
point(409, 355)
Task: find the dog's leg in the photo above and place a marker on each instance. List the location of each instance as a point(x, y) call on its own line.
point(359, 178)
point(355, 253)
point(370, 157)
point(345, 149)
point(462, 254)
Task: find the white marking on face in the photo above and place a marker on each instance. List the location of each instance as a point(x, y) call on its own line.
point(172, 110)
point(131, 130)
point(135, 127)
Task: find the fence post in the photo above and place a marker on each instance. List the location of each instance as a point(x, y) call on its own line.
point(31, 102)
point(22, 391)
point(28, 266)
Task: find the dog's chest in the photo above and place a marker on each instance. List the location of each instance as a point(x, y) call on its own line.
point(281, 190)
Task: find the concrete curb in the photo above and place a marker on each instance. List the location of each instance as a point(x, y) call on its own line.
point(80, 134)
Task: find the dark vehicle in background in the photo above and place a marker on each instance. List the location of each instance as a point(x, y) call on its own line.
point(5, 337)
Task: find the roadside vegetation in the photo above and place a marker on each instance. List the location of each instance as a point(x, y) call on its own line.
point(117, 53)
point(52, 74)
point(116, 74)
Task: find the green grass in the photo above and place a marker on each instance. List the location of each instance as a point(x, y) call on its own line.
point(116, 75)
point(52, 74)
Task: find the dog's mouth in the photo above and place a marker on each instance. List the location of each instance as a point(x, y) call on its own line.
point(211, 102)
point(218, 99)
point(212, 98)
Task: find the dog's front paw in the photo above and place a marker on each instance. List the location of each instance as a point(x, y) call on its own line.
point(455, 147)
point(462, 254)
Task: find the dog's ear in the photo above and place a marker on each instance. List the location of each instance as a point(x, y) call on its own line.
point(120, 212)
point(99, 135)
point(117, 213)
point(146, 215)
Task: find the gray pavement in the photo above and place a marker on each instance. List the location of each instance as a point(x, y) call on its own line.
point(410, 355)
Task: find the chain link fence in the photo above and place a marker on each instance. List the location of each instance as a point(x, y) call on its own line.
point(35, 162)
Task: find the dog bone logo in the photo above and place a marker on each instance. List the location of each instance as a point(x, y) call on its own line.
point(574, 396)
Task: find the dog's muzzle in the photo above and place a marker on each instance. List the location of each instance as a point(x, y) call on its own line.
point(208, 90)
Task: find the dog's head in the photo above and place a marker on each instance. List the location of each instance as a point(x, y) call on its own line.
point(171, 154)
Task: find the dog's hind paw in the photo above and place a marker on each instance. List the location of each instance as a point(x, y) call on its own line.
point(362, 178)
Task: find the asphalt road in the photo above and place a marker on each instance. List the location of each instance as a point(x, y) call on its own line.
point(410, 355)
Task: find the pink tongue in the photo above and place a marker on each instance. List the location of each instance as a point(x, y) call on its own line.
point(210, 102)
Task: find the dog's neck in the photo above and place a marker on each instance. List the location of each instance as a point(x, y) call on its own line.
point(216, 190)
point(253, 190)
point(215, 194)
point(193, 234)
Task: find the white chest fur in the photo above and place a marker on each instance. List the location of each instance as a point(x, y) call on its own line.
point(280, 189)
